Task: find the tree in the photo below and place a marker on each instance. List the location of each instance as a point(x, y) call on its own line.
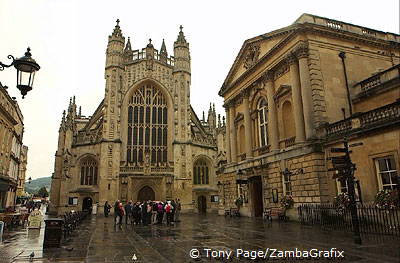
point(43, 192)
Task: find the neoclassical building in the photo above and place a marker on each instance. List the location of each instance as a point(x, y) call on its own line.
point(144, 141)
point(286, 95)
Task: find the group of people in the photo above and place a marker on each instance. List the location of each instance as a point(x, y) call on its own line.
point(146, 213)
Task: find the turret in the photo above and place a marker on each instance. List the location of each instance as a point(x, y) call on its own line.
point(181, 53)
point(115, 48)
point(211, 119)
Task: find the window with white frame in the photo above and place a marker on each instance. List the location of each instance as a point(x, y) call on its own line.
point(263, 122)
point(387, 172)
point(343, 187)
point(287, 184)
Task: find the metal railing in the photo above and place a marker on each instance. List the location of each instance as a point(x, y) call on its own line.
point(372, 220)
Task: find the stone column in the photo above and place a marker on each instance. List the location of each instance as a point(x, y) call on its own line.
point(228, 137)
point(296, 98)
point(233, 137)
point(247, 125)
point(272, 115)
point(306, 93)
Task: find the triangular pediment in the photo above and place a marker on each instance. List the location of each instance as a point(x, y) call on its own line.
point(253, 50)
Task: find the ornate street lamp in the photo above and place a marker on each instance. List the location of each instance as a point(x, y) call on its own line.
point(29, 180)
point(26, 68)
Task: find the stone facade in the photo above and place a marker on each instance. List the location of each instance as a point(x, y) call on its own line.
point(282, 93)
point(11, 133)
point(144, 141)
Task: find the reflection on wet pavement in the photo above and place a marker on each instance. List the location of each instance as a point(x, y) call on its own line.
point(98, 240)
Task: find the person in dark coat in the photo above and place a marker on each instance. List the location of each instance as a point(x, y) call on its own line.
point(107, 208)
point(117, 213)
point(128, 212)
point(144, 213)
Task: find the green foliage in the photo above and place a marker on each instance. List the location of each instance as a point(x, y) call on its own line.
point(287, 201)
point(341, 202)
point(38, 183)
point(43, 192)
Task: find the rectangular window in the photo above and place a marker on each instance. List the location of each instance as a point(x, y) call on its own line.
point(214, 198)
point(287, 184)
point(387, 172)
point(73, 201)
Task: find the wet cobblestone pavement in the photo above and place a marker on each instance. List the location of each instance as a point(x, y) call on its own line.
point(98, 240)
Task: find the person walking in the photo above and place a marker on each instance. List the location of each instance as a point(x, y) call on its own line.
point(154, 211)
point(121, 213)
point(178, 210)
point(168, 211)
point(107, 208)
point(160, 212)
point(144, 213)
point(116, 213)
point(173, 210)
point(128, 211)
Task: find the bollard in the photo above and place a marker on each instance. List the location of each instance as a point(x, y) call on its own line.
point(1, 231)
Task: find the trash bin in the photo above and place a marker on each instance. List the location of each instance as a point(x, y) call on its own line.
point(53, 232)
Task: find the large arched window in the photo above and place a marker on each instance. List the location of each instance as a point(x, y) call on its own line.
point(89, 171)
point(147, 127)
point(263, 122)
point(201, 172)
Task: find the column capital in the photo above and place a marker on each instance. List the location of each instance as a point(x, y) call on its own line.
point(291, 58)
point(301, 50)
point(268, 75)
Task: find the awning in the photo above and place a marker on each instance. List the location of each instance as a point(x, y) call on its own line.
point(4, 185)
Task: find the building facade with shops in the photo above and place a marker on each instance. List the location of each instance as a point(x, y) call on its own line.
point(294, 93)
point(11, 133)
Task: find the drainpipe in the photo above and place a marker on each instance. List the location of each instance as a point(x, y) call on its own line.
point(342, 56)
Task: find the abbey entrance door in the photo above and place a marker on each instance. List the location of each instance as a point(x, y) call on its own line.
point(146, 193)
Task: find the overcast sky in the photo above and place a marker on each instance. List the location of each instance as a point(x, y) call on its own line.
point(69, 38)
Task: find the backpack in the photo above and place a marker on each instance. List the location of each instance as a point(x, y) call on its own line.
point(160, 208)
point(168, 208)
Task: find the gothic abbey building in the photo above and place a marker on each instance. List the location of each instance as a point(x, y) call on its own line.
point(144, 141)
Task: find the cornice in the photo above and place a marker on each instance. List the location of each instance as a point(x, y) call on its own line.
point(302, 50)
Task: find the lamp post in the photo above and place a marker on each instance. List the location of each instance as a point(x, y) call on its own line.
point(26, 68)
point(219, 184)
point(29, 180)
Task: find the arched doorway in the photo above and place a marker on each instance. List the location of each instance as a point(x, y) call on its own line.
point(202, 204)
point(87, 204)
point(146, 193)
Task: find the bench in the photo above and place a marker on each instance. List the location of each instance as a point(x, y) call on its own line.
point(279, 212)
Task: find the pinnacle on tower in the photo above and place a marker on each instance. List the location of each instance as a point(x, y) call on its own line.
point(163, 49)
point(181, 36)
point(117, 30)
point(204, 119)
point(128, 46)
